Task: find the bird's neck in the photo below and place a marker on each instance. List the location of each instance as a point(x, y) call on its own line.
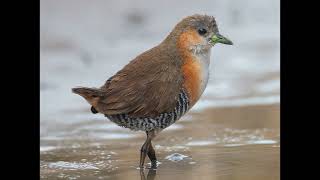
point(194, 61)
point(195, 70)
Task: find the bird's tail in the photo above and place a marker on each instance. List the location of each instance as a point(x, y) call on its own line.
point(87, 92)
point(92, 95)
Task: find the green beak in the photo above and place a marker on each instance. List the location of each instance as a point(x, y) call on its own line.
point(218, 38)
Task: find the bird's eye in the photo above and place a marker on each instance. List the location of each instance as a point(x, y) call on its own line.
point(202, 31)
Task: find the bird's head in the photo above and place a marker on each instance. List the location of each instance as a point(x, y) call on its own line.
point(197, 32)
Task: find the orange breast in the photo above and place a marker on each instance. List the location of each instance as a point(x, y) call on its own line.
point(191, 73)
point(191, 68)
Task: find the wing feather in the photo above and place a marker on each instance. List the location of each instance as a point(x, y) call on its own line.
point(147, 86)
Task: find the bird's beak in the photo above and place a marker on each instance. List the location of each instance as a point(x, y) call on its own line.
point(218, 38)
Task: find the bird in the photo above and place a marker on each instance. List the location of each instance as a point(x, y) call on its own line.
point(160, 85)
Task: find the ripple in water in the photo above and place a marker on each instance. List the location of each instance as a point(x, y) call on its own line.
point(200, 143)
point(71, 166)
point(264, 141)
point(47, 148)
point(175, 157)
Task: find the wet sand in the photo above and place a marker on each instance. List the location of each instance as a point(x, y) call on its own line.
point(216, 143)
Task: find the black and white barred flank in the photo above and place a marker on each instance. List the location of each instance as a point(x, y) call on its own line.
point(160, 122)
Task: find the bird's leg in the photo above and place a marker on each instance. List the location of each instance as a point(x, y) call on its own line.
point(143, 153)
point(145, 147)
point(152, 156)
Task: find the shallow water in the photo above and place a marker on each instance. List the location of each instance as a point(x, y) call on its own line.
point(201, 147)
point(231, 133)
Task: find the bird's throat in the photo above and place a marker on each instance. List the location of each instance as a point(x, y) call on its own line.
point(196, 73)
point(195, 59)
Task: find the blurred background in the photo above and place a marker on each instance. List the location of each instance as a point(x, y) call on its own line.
point(232, 132)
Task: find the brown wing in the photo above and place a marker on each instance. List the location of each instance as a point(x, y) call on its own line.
point(147, 86)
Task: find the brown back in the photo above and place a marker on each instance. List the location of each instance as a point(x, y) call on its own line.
point(147, 86)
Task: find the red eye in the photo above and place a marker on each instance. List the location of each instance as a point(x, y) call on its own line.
point(202, 31)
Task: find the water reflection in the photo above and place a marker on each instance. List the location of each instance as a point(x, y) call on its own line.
point(151, 174)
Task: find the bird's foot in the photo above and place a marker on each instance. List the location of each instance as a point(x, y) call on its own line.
point(154, 164)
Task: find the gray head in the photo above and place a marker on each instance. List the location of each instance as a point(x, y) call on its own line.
point(198, 30)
